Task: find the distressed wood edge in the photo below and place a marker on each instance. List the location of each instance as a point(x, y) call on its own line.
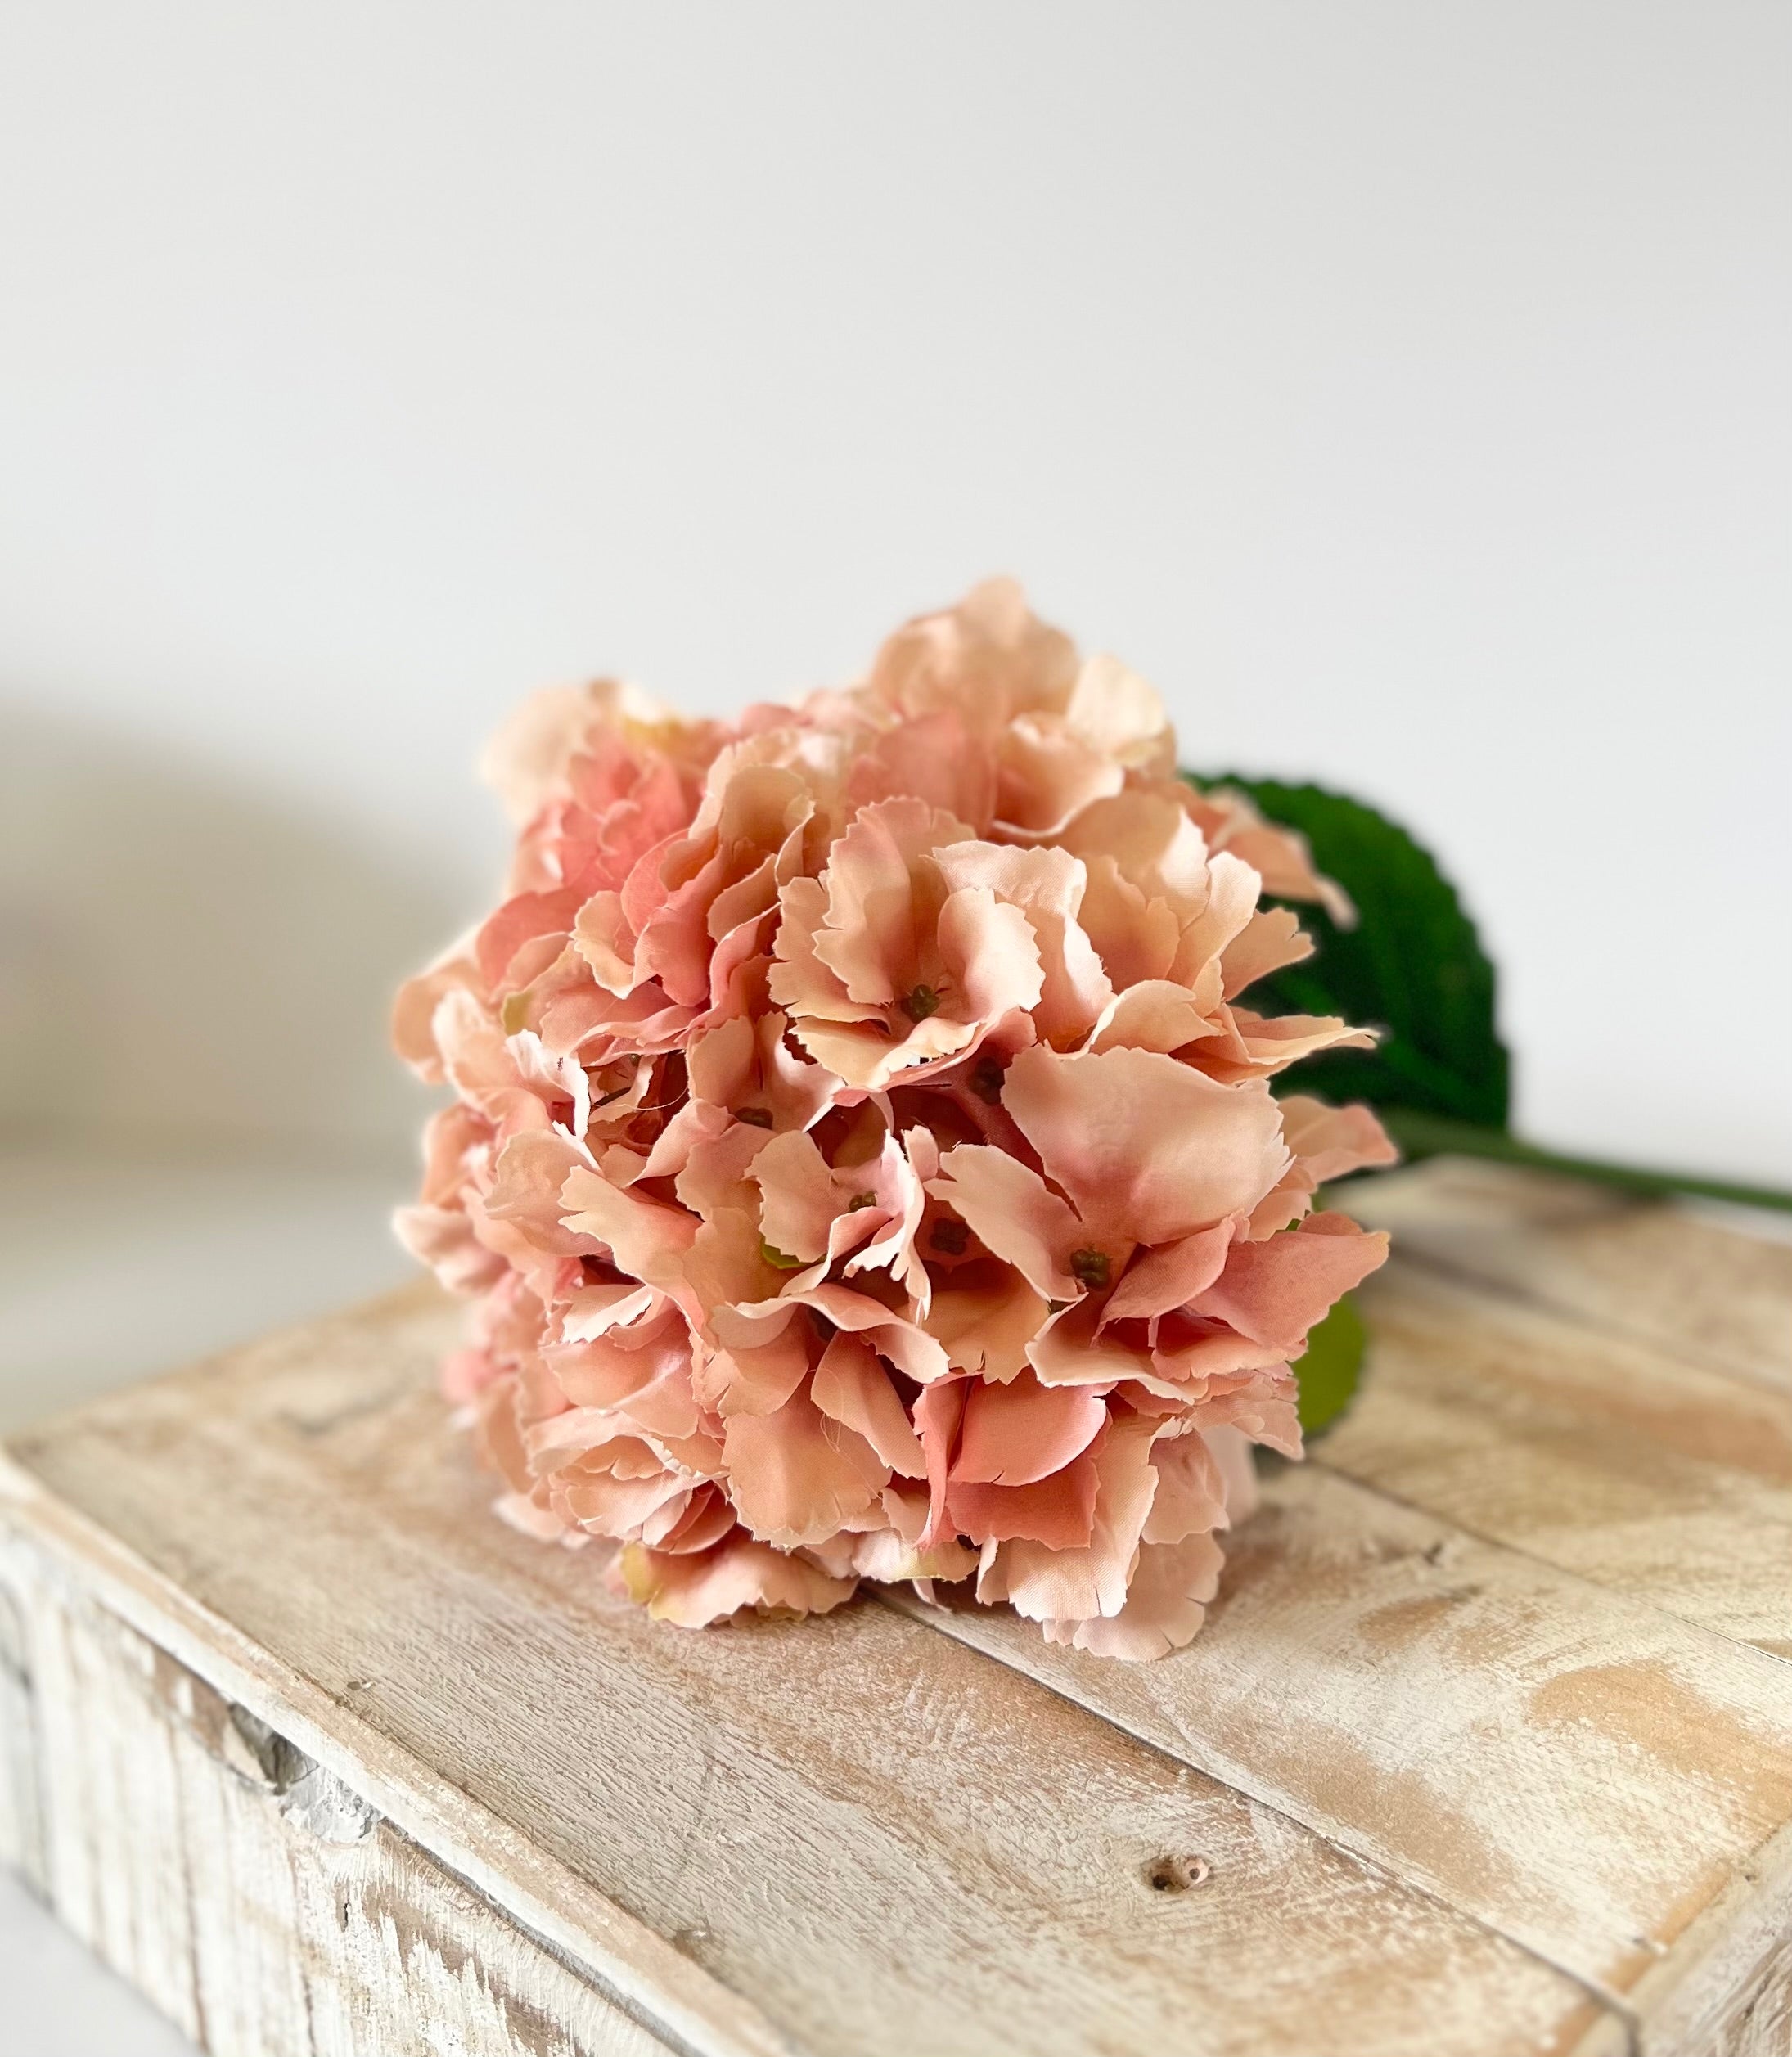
point(248, 1895)
point(1694, 2002)
point(644, 1972)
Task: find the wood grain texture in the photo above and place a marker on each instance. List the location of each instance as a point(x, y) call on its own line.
point(1488, 1746)
point(1659, 1478)
point(879, 1839)
point(1666, 1274)
point(1585, 1775)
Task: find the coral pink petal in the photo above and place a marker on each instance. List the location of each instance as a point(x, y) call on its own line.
point(1013, 1211)
point(1147, 1148)
point(693, 1589)
point(796, 1476)
point(1016, 1434)
point(852, 1387)
point(1274, 1291)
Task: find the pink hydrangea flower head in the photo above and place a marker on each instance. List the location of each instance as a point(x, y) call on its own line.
point(862, 1161)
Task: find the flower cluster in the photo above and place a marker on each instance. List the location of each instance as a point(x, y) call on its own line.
point(861, 1157)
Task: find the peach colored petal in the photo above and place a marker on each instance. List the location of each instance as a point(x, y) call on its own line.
point(1118, 714)
point(882, 897)
point(1071, 1585)
point(1231, 1452)
point(413, 1012)
point(1056, 1512)
point(1047, 886)
point(1074, 1346)
point(443, 1238)
point(1191, 1495)
point(985, 1318)
point(1048, 776)
point(989, 657)
point(852, 1387)
point(1146, 1149)
point(1274, 1291)
point(938, 1409)
point(1165, 1605)
point(1159, 1280)
point(1281, 856)
point(1261, 1046)
point(1013, 1211)
point(527, 762)
point(1331, 1142)
point(930, 758)
point(693, 1589)
point(1272, 938)
point(796, 1475)
point(645, 1237)
point(1018, 1433)
point(1156, 1014)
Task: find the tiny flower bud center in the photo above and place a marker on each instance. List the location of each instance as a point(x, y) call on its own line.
point(986, 1080)
point(1090, 1268)
point(919, 1002)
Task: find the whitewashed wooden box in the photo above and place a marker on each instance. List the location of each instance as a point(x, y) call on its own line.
point(1486, 1748)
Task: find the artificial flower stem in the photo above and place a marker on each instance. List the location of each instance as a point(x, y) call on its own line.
point(1422, 1135)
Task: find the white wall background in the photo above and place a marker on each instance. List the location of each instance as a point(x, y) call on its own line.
point(1407, 389)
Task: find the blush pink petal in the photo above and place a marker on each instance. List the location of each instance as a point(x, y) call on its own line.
point(1047, 886)
point(985, 1318)
point(1013, 1213)
point(1331, 1142)
point(1157, 1280)
point(1049, 775)
point(1157, 1014)
point(443, 1238)
point(1274, 1291)
point(413, 1012)
point(527, 763)
point(1270, 939)
point(796, 1476)
point(1190, 1495)
point(1117, 714)
point(1166, 1603)
point(878, 891)
point(1018, 1433)
point(1056, 1512)
point(851, 1386)
point(693, 1589)
point(644, 1237)
point(1071, 1585)
point(1147, 1150)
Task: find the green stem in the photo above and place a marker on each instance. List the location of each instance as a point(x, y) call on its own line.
point(1421, 1135)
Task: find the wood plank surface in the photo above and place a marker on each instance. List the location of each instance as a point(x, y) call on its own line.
point(1669, 1275)
point(1585, 1775)
point(877, 1838)
point(1661, 1477)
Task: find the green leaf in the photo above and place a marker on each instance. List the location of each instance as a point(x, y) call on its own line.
point(1331, 1367)
point(1413, 967)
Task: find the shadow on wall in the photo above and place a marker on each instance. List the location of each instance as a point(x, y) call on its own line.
point(187, 963)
